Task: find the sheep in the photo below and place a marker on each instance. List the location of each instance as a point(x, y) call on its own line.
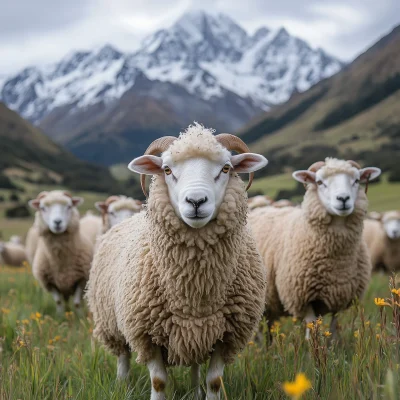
point(15, 239)
point(315, 258)
point(91, 226)
point(282, 203)
point(63, 256)
point(117, 208)
point(259, 201)
point(32, 240)
point(382, 235)
point(182, 280)
point(12, 254)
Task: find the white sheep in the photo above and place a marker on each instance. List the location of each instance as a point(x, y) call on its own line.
point(259, 201)
point(116, 209)
point(382, 235)
point(12, 254)
point(62, 259)
point(183, 280)
point(315, 257)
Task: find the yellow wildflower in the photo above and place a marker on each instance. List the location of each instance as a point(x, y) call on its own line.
point(378, 336)
point(239, 355)
point(57, 338)
point(251, 343)
point(310, 325)
point(368, 323)
point(282, 335)
point(380, 302)
point(319, 321)
point(396, 291)
point(297, 388)
point(327, 334)
point(51, 341)
point(356, 333)
point(294, 319)
point(5, 311)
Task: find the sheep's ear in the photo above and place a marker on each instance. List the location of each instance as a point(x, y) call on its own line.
point(77, 201)
point(35, 204)
point(101, 206)
point(369, 174)
point(304, 176)
point(248, 162)
point(148, 165)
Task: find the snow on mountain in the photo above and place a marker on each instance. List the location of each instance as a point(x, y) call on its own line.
point(208, 55)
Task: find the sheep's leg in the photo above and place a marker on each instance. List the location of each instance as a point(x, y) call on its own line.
point(58, 298)
point(158, 375)
point(78, 295)
point(123, 365)
point(214, 374)
point(334, 327)
point(309, 317)
point(195, 372)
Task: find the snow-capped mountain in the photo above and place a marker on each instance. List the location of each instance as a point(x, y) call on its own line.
point(205, 67)
point(207, 55)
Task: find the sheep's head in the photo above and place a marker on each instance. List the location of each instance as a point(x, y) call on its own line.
point(118, 208)
point(391, 224)
point(55, 209)
point(337, 183)
point(197, 167)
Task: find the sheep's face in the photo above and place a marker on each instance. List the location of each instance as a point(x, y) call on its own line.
point(197, 186)
point(392, 227)
point(56, 211)
point(337, 191)
point(119, 210)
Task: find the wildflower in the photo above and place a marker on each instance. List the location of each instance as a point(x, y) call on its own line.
point(239, 355)
point(356, 333)
point(251, 343)
point(25, 321)
point(51, 341)
point(5, 310)
point(327, 334)
point(378, 336)
point(297, 388)
point(282, 335)
point(310, 325)
point(294, 319)
point(396, 291)
point(368, 323)
point(36, 316)
point(319, 321)
point(378, 325)
point(381, 302)
point(57, 338)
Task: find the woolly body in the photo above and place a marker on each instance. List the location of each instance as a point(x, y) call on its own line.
point(13, 254)
point(384, 252)
point(156, 280)
point(311, 257)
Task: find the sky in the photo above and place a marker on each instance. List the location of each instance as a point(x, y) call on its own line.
point(37, 32)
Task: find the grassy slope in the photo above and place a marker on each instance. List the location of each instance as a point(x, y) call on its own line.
point(48, 357)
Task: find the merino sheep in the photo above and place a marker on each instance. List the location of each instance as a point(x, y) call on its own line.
point(382, 236)
point(116, 209)
point(183, 280)
point(259, 201)
point(315, 257)
point(62, 260)
point(91, 226)
point(282, 203)
point(12, 254)
point(32, 240)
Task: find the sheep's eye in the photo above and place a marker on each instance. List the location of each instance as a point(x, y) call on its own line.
point(167, 171)
point(356, 181)
point(226, 168)
point(319, 183)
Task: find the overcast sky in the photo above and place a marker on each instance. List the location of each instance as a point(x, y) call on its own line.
point(42, 31)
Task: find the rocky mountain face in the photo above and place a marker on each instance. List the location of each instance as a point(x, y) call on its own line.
point(205, 67)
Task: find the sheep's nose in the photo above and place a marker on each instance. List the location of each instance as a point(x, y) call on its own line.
point(395, 233)
point(57, 222)
point(196, 203)
point(343, 198)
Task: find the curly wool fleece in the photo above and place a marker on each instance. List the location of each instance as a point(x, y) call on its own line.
point(312, 256)
point(155, 280)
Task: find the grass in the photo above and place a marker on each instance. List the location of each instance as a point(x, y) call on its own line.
point(47, 357)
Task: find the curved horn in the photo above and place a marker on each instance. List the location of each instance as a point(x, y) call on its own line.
point(316, 166)
point(354, 164)
point(233, 143)
point(156, 147)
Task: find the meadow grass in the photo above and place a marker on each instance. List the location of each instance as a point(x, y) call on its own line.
point(43, 356)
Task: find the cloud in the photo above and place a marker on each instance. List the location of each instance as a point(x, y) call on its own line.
point(43, 31)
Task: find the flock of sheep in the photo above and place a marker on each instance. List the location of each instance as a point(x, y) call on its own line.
point(189, 275)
